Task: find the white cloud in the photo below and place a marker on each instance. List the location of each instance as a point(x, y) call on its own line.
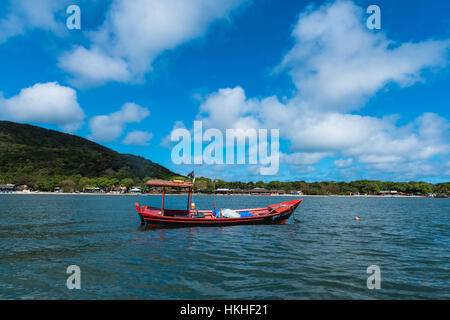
point(94, 66)
point(323, 132)
point(313, 137)
point(138, 138)
point(134, 33)
point(407, 170)
point(228, 109)
point(337, 64)
point(427, 137)
point(24, 15)
point(343, 163)
point(107, 128)
point(304, 158)
point(45, 103)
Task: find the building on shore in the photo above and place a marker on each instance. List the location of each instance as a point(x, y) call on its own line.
point(119, 190)
point(136, 190)
point(92, 190)
point(260, 192)
point(388, 193)
point(223, 191)
point(7, 188)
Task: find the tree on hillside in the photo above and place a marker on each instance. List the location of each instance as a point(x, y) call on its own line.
point(68, 185)
point(127, 182)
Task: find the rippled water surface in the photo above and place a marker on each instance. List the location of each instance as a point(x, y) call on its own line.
point(324, 256)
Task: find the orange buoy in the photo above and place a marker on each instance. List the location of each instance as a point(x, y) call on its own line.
point(356, 218)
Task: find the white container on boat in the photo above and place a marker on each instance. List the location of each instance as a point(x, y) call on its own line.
point(228, 213)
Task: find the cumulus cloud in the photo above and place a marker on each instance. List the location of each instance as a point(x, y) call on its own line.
point(229, 109)
point(315, 136)
point(138, 138)
point(94, 65)
point(107, 128)
point(24, 15)
point(337, 64)
point(45, 103)
point(343, 163)
point(303, 158)
point(426, 138)
point(134, 33)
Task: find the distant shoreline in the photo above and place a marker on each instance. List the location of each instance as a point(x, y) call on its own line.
point(205, 195)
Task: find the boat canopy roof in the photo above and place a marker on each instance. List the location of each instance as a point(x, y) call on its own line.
point(163, 183)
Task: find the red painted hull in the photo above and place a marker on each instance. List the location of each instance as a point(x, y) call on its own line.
point(274, 214)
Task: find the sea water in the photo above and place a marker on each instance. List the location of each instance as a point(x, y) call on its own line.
point(324, 256)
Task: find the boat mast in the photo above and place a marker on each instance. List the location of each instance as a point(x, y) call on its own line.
point(214, 187)
point(162, 202)
point(189, 201)
point(191, 190)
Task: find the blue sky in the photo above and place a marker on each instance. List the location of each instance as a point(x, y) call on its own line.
point(351, 103)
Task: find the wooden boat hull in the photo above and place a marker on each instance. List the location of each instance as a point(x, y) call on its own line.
point(275, 214)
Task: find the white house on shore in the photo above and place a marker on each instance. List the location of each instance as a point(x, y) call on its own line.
point(388, 193)
point(136, 190)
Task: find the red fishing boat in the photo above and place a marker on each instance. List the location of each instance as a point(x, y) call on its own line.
point(153, 216)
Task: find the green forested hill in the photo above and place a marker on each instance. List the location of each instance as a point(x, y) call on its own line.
point(43, 158)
